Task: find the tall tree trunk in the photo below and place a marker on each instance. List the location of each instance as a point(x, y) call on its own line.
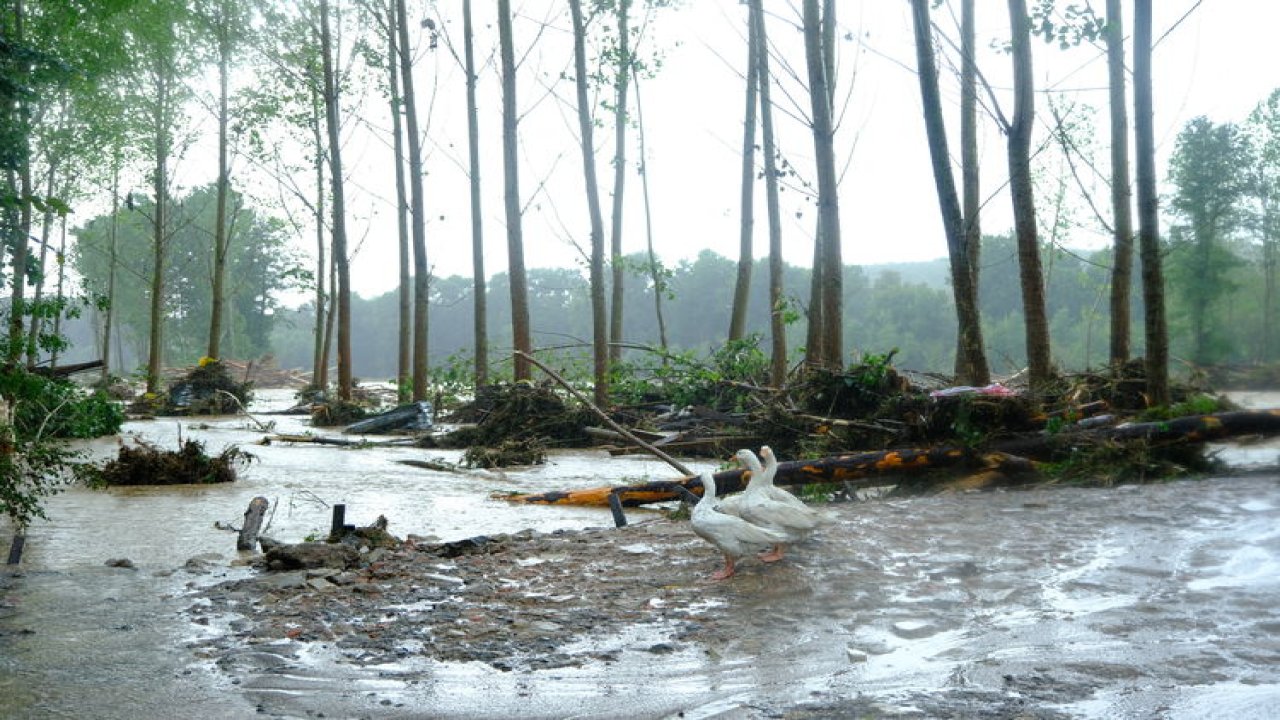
point(421, 271)
point(520, 335)
point(46, 230)
point(1121, 195)
point(619, 179)
point(777, 323)
point(655, 269)
point(970, 172)
point(320, 361)
point(968, 320)
point(599, 333)
point(480, 330)
point(742, 287)
point(110, 309)
point(21, 110)
point(816, 327)
point(1035, 319)
point(404, 366)
point(59, 294)
point(340, 259)
point(159, 237)
point(1156, 329)
point(221, 232)
point(816, 54)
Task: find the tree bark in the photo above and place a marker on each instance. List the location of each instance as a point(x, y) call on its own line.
point(742, 287)
point(421, 276)
point(1035, 318)
point(968, 319)
point(221, 233)
point(621, 84)
point(777, 323)
point(511, 194)
point(1155, 327)
point(1121, 195)
point(818, 56)
point(320, 361)
point(160, 186)
point(599, 333)
point(480, 325)
point(970, 179)
point(340, 259)
point(111, 268)
point(404, 356)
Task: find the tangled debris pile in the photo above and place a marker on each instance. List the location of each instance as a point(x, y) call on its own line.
point(515, 423)
point(188, 465)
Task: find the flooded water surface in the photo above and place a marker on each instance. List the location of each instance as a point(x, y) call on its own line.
point(1133, 602)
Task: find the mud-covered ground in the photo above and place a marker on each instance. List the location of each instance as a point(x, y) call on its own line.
point(1136, 602)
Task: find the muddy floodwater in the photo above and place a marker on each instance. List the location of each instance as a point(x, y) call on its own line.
point(1159, 601)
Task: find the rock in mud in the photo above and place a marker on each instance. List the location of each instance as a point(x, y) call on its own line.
point(312, 555)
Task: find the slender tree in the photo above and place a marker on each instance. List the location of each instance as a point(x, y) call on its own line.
point(968, 318)
point(742, 286)
point(404, 355)
point(777, 321)
point(1121, 193)
point(599, 334)
point(657, 277)
point(1155, 323)
point(518, 280)
point(819, 47)
point(623, 66)
point(970, 174)
point(421, 272)
point(480, 331)
point(341, 262)
point(1031, 276)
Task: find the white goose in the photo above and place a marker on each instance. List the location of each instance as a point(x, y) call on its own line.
point(734, 536)
point(766, 505)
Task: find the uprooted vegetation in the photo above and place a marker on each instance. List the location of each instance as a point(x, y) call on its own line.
point(725, 402)
point(190, 464)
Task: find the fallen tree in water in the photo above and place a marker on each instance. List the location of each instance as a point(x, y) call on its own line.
point(1005, 463)
point(856, 468)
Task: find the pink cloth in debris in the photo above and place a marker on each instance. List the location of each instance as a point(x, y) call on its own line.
point(993, 389)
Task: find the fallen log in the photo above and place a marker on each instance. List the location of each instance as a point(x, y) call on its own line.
point(857, 469)
point(340, 442)
point(1187, 430)
point(252, 525)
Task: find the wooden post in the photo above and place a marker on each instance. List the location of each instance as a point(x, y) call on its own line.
point(252, 523)
point(339, 520)
point(15, 550)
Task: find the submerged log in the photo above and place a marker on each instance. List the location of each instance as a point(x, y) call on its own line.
point(857, 469)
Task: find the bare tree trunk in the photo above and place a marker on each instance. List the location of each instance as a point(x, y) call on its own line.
point(816, 325)
point(46, 229)
point(160, 186)
point(619, 180)
point(1024, 210)
point(599, 334)
point(421, 271)
point(111, 269)
point(404, 365)
point(320, 360)
point(1156, 329)
point(655, 272)
point(1121, 195)
point(968, 321)
point(23, 157)
point(59, 295)
point(221, 232)
point(480, 326)
point(970, 179)
point(777, 324)
point(816, 54)
point(515, 239)
point(340, 259)
point(742, 288)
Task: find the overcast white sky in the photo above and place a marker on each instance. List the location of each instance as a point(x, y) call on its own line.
point(1217, 62)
